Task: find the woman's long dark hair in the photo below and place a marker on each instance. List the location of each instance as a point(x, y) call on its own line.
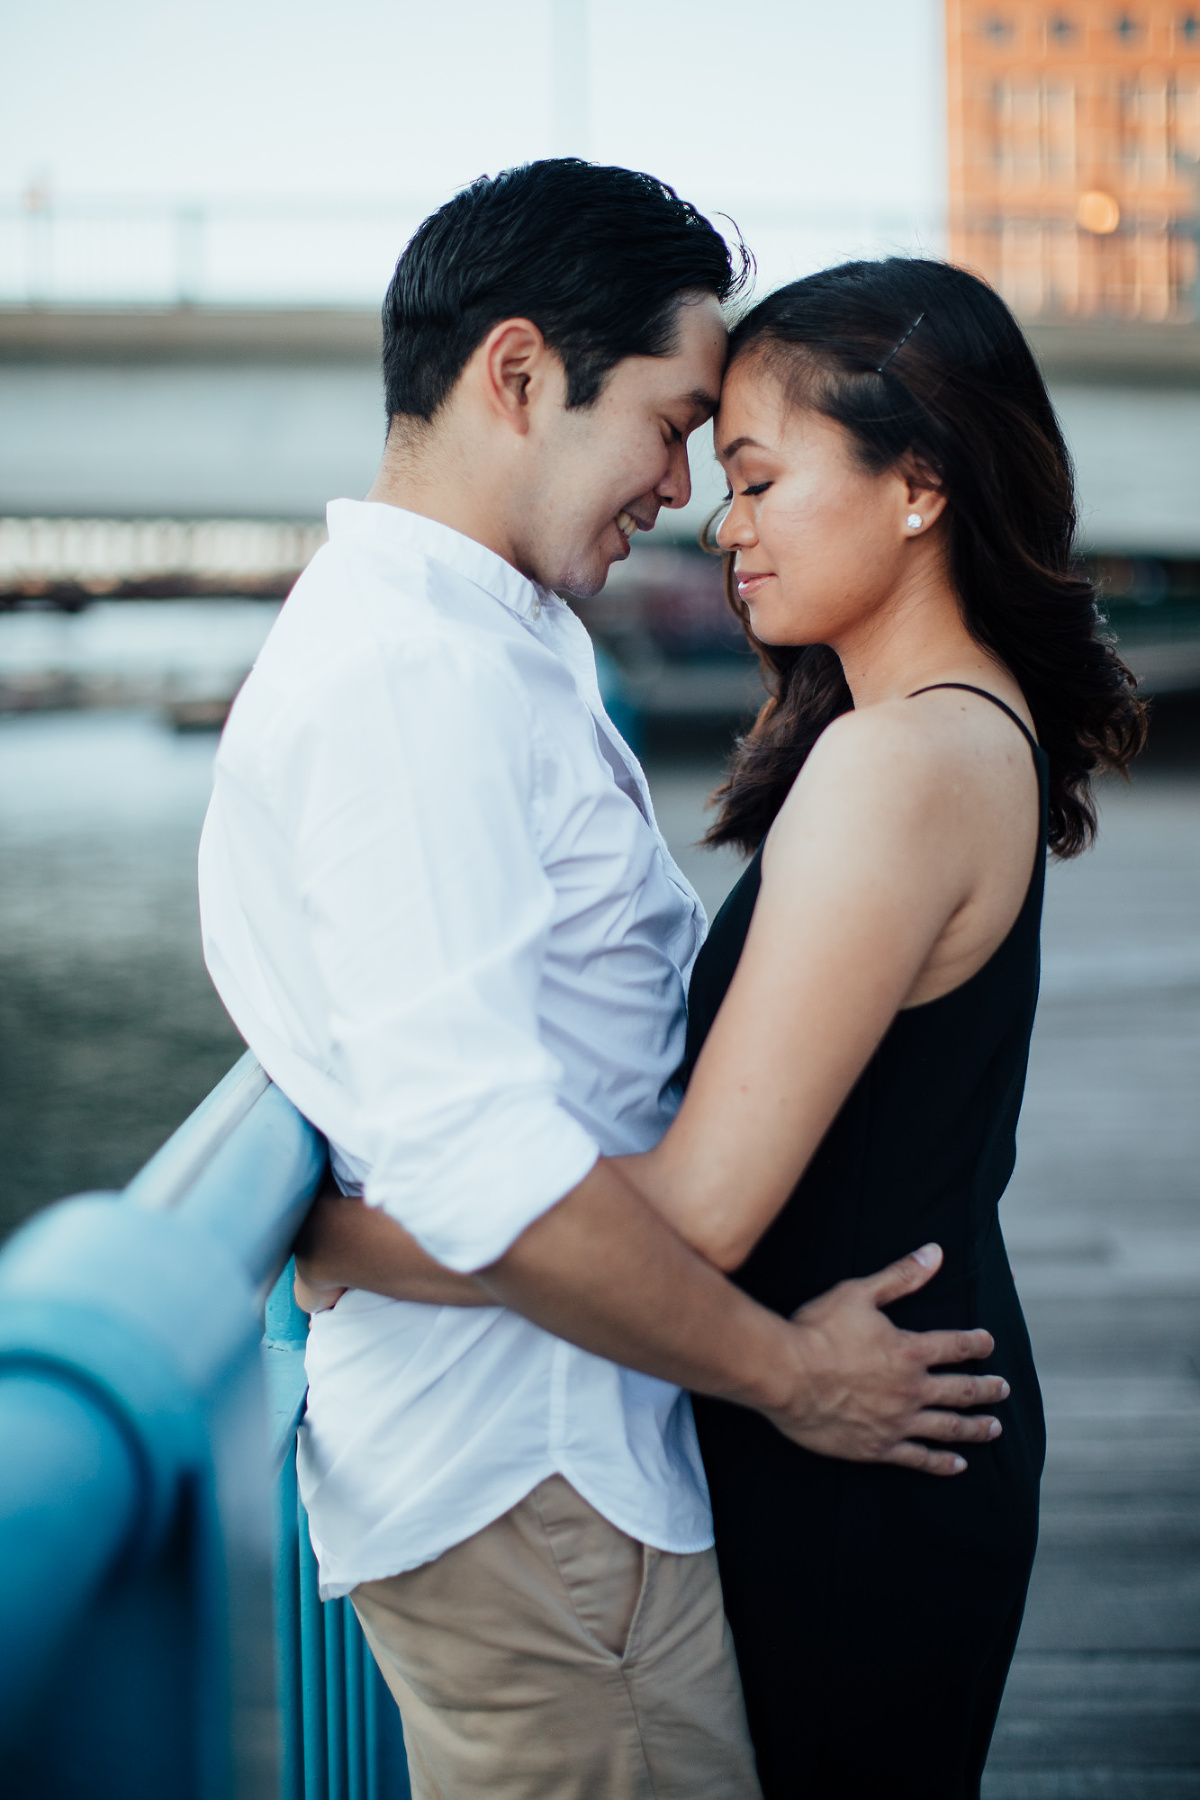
point(922, 360)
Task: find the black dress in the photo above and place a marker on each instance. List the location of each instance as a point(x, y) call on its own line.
point(875, 1610)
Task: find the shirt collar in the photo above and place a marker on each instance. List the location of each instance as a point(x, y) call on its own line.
point(412, 531)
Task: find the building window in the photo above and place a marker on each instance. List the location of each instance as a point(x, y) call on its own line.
point(1127, 29)
point(998, 30)
point(1061, 30)
point(1189, 28)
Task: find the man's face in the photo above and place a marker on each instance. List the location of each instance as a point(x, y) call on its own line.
point(603, 471)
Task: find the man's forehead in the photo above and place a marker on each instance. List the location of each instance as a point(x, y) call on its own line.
point(695, 372)
point(703, 402)
point(690, 373)
point(677, 382)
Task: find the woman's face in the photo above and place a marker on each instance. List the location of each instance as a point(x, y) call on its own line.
point(820, 542)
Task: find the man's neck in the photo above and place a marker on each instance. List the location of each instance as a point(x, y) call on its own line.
point(423, 471)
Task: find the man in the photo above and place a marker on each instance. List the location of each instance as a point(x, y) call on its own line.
point(438, 907)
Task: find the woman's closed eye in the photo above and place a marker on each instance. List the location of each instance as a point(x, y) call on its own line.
point(760, 487)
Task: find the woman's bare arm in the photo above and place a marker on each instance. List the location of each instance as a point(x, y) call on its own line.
point(871, 863)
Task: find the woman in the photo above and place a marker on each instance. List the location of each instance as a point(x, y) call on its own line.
point(901, 504)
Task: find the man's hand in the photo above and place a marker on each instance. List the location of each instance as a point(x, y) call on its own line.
point(315, 1296)
point(864, 1391)
point(603, 1270)
point(315, 1291)
point(344, 1243)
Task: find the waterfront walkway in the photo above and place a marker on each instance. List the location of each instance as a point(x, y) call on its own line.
point(1103, 1221)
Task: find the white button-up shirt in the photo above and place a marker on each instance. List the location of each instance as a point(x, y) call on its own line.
point(438, 908)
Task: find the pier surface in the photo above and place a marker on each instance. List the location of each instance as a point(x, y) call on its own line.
point(1103, 1222)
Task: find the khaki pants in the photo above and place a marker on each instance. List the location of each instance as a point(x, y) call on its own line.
point(550, 1657)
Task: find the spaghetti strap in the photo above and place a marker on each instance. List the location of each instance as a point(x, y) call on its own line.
point(984, 695)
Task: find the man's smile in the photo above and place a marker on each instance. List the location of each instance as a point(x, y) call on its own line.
point(627, 523)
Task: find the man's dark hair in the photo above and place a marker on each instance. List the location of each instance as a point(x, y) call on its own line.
point(597, 258)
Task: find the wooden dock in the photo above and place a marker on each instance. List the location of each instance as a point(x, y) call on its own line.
point(1103, 1222)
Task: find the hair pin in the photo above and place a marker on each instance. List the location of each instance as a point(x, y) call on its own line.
point(899, 344)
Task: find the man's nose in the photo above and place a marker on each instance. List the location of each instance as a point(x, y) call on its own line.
point(675, 489)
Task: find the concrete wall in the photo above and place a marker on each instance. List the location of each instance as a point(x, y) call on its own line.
point(185, 415)
point(236, 440)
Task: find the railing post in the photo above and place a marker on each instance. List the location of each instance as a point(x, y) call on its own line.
point(287, 1632)
point(342, 1738)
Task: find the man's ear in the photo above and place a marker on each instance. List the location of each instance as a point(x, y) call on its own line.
point(512, 358)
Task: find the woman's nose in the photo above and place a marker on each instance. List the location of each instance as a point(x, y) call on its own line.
point(734, 530)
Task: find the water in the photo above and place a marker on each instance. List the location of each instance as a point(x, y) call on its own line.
point(109, 1029)
point(127, 650)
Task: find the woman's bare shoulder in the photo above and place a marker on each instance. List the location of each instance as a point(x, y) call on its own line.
point(899, 771)
point(920, 738)
point(883, 753)
point(877, 734)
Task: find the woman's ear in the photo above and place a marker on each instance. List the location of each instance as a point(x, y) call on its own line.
point(925, 496)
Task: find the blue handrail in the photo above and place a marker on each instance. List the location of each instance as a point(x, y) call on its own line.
point(140, 1651)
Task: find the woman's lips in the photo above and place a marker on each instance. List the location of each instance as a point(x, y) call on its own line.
point(748, 585)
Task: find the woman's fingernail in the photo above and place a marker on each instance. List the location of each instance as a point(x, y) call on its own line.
point(995, 1428)
point(960, 1463)
point(927, 1255)
point(1005, 1390)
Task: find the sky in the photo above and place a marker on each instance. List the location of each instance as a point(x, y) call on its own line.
point(314, 135)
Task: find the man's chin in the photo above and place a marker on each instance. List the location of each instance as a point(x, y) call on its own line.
point(584, 584)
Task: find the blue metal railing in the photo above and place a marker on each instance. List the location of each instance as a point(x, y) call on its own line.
point(143, 1653)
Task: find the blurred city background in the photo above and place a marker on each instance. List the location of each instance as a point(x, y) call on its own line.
point(200, 207)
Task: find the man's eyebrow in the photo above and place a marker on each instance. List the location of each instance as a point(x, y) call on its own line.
point(703, 402)
point(740, 444)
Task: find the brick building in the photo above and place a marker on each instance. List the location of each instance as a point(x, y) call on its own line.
point(1075, 154)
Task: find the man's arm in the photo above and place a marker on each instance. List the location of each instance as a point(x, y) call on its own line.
point(604, 1271)
point(344, 1243)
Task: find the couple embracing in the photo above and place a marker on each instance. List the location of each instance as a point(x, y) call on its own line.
point(631, 1271)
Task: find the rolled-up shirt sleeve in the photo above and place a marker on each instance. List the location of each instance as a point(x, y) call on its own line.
point(413, 817)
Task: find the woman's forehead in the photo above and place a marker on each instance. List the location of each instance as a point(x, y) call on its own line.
point(754, 409)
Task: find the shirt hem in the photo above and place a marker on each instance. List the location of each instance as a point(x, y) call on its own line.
point(338, 1589)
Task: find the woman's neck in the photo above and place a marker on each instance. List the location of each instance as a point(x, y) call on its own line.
point(912, 639)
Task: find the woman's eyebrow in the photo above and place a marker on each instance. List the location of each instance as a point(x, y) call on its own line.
point(740, 444)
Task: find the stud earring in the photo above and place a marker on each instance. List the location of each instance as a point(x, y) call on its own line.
point(914, 521)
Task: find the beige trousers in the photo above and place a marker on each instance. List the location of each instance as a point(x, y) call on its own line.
point(550, 1657)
